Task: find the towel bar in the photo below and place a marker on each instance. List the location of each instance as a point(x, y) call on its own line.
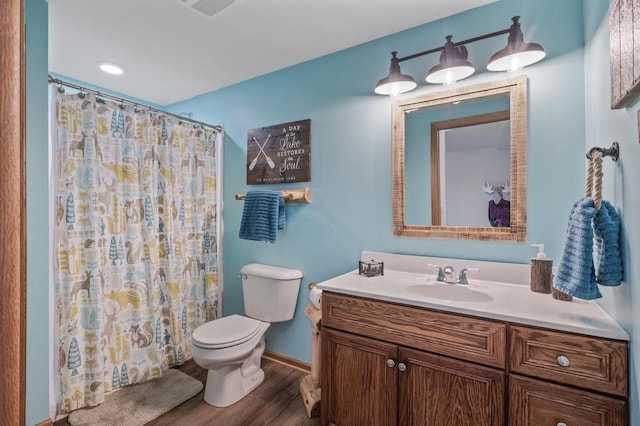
point(297, 195)
point(613, 151)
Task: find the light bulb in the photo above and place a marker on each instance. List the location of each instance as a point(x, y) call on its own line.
point(448, 79)
point(515, 63)
point(111, 68)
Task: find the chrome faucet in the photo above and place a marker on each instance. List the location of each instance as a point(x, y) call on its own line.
point(462, 278)
point(440, 276)
point(445, 274)
point(448, 274)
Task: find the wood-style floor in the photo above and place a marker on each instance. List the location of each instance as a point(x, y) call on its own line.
point(275, 402)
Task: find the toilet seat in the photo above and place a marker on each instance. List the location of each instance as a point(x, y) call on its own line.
point(226, 332)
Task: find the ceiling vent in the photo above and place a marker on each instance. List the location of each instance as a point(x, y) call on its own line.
point(206, 8)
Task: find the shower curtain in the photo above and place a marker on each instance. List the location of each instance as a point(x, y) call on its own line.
point(135, 251)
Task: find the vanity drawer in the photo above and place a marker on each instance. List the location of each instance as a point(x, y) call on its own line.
point(583, 361)
point(532, 402)
point(466, 338)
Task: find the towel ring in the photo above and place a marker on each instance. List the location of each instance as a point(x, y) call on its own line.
point(613, 151)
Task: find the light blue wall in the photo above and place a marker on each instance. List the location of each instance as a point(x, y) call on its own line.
point(351, 159)
point(351, 150)
point(620, 181)
point(37, 214)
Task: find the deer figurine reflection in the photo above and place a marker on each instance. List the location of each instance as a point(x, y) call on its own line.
point(491, 188)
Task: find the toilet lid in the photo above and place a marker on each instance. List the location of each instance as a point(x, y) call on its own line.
point(225, 332)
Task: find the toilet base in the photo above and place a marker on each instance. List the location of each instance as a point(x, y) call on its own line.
point(234, 371)
point(225, 387)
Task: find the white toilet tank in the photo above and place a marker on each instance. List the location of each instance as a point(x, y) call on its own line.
point(270, 293)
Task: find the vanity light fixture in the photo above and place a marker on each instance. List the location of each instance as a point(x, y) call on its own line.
point(111, 68)
point(454, 66)
point(517, 54)
point(396, 82)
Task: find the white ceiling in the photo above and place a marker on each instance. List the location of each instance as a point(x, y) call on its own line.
point(172, 53)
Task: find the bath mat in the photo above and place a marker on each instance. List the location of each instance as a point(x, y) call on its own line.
point(138, 404)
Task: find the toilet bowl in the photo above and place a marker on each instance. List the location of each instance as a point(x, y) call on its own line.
point(231, 347)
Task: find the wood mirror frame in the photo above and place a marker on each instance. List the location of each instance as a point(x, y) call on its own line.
point(516, 89)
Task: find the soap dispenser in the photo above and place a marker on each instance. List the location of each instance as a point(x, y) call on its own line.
point(541, 271)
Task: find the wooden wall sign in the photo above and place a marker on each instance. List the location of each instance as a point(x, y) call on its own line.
point(280, 153)
point(624, 49)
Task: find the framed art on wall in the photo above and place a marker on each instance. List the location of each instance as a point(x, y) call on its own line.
point(280, 153)
point(624, 52)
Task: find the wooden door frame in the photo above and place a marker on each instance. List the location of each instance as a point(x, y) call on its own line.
point(13, 212)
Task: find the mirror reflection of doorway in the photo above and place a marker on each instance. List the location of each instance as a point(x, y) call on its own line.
point(469, 157)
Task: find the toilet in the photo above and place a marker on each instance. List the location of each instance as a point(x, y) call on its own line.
point(231, 347)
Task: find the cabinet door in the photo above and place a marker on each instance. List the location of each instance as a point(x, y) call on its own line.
point(359, 380)
point(436, 390)
point(536, 403)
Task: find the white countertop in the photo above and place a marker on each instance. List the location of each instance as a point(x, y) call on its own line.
point(501, 301)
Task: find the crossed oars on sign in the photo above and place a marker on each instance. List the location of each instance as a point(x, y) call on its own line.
point(255, 160)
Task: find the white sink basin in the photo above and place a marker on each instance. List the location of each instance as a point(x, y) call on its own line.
point(452, 292)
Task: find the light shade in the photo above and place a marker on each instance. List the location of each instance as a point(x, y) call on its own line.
point(453, 65)
point(517, 54)
point(396, 82)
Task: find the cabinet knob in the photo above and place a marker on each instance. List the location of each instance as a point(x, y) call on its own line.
point(563, 361)
point(391, 363)
point(402, 366)
point(561, 424)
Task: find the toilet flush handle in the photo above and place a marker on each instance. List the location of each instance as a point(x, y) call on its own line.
point(243, 276)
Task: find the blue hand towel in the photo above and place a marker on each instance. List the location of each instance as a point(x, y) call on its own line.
point(262, 216)
point(608, 260)
point(576, 274)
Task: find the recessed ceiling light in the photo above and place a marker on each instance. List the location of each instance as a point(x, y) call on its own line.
point(111, 68)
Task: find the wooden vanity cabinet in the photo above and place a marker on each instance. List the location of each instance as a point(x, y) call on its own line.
point(367, 381)
point(534, 402)
point(597, 366)
point(437, 390)
point(390, 364)
point(358, 387)
point(587, 362)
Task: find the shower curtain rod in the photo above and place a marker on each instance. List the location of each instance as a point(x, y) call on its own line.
point(57, 81)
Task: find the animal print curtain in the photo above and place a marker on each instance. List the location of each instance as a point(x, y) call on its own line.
point(135, 243)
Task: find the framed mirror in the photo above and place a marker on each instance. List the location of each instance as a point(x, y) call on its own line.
point(459, 163)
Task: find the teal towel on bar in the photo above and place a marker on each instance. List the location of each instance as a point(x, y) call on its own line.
point(262, 216)
point(576, 275)
point(608, 260)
